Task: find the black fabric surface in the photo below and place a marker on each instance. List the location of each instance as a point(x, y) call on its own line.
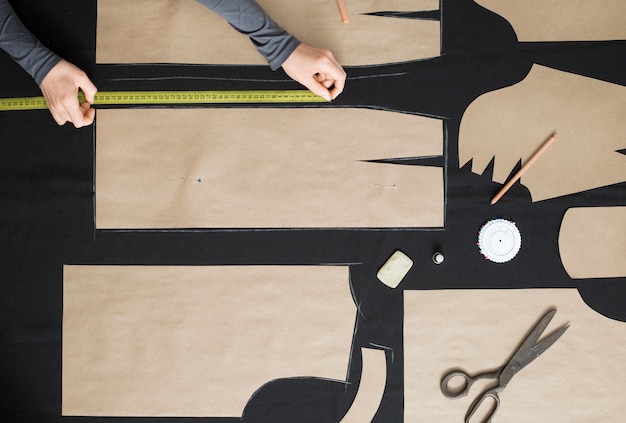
point(47, 205)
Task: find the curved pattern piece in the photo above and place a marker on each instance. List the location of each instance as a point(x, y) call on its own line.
point(512, 123)
point(298, 399)
point(592, 242)
point(563, 20)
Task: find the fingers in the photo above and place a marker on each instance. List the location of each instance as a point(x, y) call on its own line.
point(335, 73)
point(317, 70)
point(80, 114)
point(337, 87)
point(83, 115)
point(89, 89)
point(320, 90)
point(89, 115)
point(330, 87)
point(331, 75)
point(324, 80)
point(325, 85)
point(317, 86)
point(69, 110)
point(60, 88)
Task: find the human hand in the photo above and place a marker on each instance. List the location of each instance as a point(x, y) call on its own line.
point(60, 88)
point(317, 70)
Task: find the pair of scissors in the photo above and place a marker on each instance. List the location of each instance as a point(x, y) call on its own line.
point(529, 350)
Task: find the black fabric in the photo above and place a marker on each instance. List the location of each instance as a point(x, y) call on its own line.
point(47, 202)
point(22, 46)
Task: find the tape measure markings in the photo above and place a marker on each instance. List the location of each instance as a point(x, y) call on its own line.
point(113, 98)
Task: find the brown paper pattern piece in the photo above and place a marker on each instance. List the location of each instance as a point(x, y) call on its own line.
point(579, 379)
point(184, 31)
point(371, 387)
point(198, 341)
point(563, 20)
point(242, 168)
point(512, 123)
point(592, 242)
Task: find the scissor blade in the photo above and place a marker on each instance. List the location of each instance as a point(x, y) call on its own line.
point(531, 340)
point(524, 354)
point(543, 345)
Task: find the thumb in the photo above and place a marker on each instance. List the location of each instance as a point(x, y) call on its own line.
point(318, 88)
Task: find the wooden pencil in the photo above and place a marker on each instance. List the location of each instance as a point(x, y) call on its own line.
point(343, 11)
point(524, 168)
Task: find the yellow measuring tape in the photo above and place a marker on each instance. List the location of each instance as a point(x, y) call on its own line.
point(139, 98)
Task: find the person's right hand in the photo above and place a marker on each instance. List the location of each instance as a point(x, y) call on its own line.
point(316, 69)
point(60, 88)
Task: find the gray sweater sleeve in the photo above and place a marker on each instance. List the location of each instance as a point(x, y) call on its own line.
point(247, 17)
point(22, 46)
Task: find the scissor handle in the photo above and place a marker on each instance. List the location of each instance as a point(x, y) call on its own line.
point(468, 381)
point(491, 393)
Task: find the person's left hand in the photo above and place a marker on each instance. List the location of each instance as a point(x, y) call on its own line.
point(317, 70)
point(60, 88)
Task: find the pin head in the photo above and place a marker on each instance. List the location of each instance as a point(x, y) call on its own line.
point(438, 258)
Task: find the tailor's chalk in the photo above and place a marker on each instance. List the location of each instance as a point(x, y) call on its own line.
point(395, 269)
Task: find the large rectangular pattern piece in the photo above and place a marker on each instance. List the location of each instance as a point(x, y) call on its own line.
point(183, 31)
point(265, 168)
point(198, 340)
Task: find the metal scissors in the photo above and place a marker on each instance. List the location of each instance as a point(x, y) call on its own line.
point(529, 350)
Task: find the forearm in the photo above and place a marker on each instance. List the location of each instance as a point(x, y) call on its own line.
point(22, 46)
point(247, 17)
